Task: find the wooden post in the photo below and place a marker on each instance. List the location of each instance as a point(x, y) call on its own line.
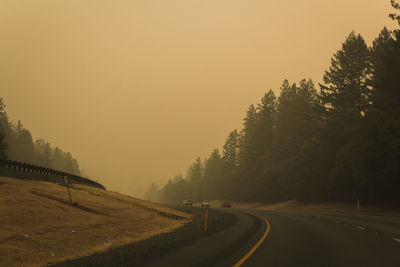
point(69, 193)
point(358, 206)
point(205, 220)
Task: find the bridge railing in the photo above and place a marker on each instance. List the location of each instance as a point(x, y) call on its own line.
point(33, 172)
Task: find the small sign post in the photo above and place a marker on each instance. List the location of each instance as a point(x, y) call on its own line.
point(69, 193)
point(205, 220)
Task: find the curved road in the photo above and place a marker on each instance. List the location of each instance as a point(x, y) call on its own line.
point(328, 239)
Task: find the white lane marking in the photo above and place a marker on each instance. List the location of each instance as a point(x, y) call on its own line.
point(396, 239)
point(336, 221)
point(361, 228)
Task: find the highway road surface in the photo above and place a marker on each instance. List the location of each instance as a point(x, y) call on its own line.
point(296, 239)
point(328, 239)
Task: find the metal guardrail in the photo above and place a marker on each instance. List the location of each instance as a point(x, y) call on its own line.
point(29, 171)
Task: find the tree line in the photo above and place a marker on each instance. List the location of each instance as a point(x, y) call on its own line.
point(16, 143)
point(338, 141)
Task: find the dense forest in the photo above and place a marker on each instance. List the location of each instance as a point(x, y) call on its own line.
point(339, 141)
point(16, 143)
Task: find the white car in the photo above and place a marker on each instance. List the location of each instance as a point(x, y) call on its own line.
point(205, 204)
point(188, 203)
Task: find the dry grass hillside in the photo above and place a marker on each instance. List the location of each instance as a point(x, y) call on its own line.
point(38, 225)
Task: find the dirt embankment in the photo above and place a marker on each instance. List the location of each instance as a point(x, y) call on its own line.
point(39, 226)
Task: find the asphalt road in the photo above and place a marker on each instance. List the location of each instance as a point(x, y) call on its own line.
point(328, 239)
point(296, 239)
point(223, 248)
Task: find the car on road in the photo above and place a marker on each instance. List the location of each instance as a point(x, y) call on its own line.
point(188, 203)
point(205, 204)
point(226, 204)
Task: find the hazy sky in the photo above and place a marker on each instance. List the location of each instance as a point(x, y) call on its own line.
point(136, 90)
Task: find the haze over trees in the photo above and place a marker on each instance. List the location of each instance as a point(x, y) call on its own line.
point(339, 141)
point(16, 143)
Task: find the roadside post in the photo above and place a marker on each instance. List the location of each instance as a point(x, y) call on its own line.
point(69, 193)
point(205, 220)
point(358, 206)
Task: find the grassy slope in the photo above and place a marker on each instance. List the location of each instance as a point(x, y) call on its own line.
point(38, 226)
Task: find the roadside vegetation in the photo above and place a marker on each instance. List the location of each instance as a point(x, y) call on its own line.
point(335, 142)
point(16, 143)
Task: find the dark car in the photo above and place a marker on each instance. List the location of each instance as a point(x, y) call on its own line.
point(225, 204)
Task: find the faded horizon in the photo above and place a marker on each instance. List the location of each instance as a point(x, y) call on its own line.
point(137, 90)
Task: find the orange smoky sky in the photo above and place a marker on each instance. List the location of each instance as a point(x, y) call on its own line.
point(136, 90)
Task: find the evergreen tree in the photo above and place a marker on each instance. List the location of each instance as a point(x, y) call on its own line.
point(266, 125)
point(3, 124)
point(194, 177)
point(214, 174)
point(71, 164)
point(254, 179)
point(297, 132)
point(231, 149)
point(152, 193)
point(43, 153)
point(396, 6)
point(380, 159)
point(345, 85)
point(195, 171)
point(346, 98)
point(298, 117)
point(248, 146)
point(386, 74)
point(21, 144)
point(213, 165)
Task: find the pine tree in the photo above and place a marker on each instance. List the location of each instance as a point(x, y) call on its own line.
point(346, 82)
point(231, 149)
point(213, 166)
point(298, 117)
point(214, 174)
point(43, 152)
point(3, 125)
point(152, 193)
point(195, 171)
point(386, 72)
point(380, 159)
point(22, 147)
point(346, 97)
point(266, 126)
point(194, 176)
point(396, 6)
point(249, 142)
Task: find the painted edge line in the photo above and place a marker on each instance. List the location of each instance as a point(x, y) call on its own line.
point(253, 249)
